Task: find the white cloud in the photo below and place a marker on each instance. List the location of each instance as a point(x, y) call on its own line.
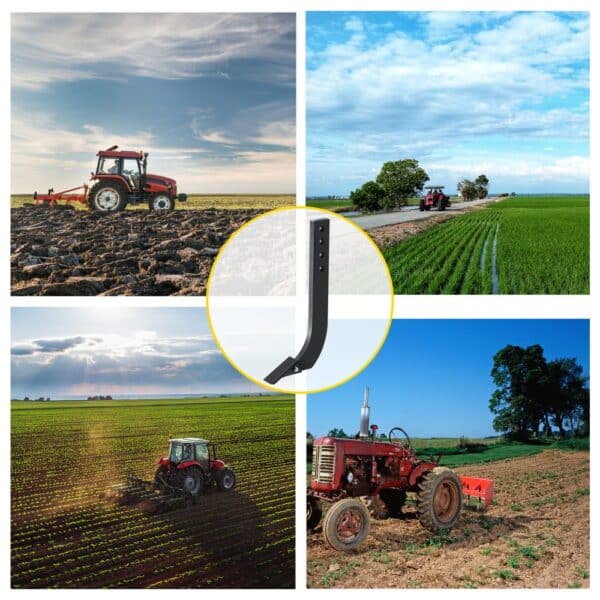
point(389, 95)
point(65, 47)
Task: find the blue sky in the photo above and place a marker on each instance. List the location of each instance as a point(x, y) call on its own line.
point(210, 96)
point(505, 94)
point(73, 352)
point(432, 377)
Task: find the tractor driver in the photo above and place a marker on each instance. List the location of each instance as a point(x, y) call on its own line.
point(115, 167)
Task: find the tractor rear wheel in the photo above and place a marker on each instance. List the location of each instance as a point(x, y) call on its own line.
point(225, 480)
point(191, 481)
point(161, 201)
point(314, 512)
point(108, 196)
point(346, 524)
point(439, 499)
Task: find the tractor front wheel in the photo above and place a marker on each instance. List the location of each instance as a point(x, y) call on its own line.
point(161, 202)
point(439, 499)
point(314, 512)
point(191, 481)
point(225, 480)
point(107, 197)
point(421, 205)
point(346, 525)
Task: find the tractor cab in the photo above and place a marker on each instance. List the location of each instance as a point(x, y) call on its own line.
point(192, 465)
point(129, 166)
point(185, 450)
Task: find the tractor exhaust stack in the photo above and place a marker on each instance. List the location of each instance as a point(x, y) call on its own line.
point(365, 412)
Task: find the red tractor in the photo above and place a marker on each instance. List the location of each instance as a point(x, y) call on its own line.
point(191, 466)
point(434, 198)
point(121, 179)
point(369, 477)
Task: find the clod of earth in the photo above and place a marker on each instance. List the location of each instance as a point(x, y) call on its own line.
point(62, 252)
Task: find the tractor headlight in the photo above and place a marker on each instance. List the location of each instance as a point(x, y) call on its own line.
point(350, 477)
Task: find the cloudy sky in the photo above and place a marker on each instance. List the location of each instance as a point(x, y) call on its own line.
point(506, 94)
point(71, 352)
point(210, 96)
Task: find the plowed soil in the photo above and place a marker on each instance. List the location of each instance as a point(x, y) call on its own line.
point(63, 252)
point(534, 535)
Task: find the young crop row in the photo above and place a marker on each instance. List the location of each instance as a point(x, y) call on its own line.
point(64, 536)
point(517, 246)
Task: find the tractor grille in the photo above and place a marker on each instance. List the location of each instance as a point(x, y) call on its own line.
point(323, 463)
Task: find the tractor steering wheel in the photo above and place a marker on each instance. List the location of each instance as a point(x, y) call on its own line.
point(393, 437)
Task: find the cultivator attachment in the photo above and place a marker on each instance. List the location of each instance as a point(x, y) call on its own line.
point(146, 495)
point(478, 489)
point(52, 198)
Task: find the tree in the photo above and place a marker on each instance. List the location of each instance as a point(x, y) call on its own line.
point(338, 433)
point(467, 189)
point(401, 180)
point(482, 183)
point(369, 197)
point(532, 392)
point(568, 397)
point(518, 402)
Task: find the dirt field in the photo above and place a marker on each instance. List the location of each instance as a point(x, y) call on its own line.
point(534, 535)
point(63, 252)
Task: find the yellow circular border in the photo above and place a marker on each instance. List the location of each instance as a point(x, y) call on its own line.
point(262, 383)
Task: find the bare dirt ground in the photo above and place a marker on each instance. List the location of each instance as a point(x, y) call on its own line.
point(63, 252)
point(534, 535)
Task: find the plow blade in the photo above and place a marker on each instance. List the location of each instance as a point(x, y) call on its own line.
point(481, 490)
point(145, 496)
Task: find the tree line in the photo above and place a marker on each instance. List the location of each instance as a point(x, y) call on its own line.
point(534, 395)
point(400, 180)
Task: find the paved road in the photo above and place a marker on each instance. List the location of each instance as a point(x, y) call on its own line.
point(409, 213)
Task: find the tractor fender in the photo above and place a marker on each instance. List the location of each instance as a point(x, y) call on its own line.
point(189, 463)
point(218, 464)
point(105, 177)
point(165, 462)
point(419, 471)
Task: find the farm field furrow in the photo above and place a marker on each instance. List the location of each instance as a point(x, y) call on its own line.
point(542, 247)
point(535, 534)
point(242, 538)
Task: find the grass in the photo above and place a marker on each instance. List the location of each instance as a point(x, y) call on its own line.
point(339, 204)
point(63, 535)
point(201, 201)
point(542, 247)
point(485, 450)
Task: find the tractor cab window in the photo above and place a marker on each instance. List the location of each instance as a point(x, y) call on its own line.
point(108, 166)
point(186, 453)
point(131, 171)
point(201, 453)
point(176, 453)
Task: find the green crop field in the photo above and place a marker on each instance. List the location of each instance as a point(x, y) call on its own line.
point(523, 245)
point(65, 454)
point(200, 201)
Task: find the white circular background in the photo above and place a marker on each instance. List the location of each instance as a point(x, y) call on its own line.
point(257, 299)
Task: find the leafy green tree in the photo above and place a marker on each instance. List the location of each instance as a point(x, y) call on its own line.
point(369, 197)
point(338, 433)
point(401, 180)
point(467, 189)
point(482, 183)
point(518, 401)
point(567, 395)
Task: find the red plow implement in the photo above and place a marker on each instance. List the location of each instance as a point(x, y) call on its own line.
point(52, 198)
point(482, 490)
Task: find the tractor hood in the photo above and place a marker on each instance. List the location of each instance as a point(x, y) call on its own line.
point(151, 178)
